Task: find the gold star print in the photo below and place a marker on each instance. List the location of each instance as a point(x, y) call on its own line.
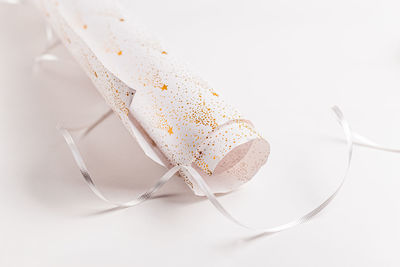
point(170, 130)
point(164, 87)
point(213, 93)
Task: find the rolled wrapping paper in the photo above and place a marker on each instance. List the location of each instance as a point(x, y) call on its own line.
point(177, 118)
point(226, 144)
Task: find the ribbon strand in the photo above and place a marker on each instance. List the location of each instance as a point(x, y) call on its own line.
point(85, 173)
point(351, 138)
point(308, 216)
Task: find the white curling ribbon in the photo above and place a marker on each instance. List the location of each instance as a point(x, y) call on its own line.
point(51, 42)
point(350, 137)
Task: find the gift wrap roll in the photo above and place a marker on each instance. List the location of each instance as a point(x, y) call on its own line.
point(176, 117)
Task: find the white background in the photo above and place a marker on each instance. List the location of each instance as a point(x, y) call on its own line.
point(284, 63)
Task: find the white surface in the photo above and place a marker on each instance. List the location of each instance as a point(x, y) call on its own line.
point(295, 60)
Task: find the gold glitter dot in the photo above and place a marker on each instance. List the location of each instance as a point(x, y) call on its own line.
point(164, 52)
point(170, 130)
point(85, 26)
point(119, 53)
point(121, 19)
point(164, 87)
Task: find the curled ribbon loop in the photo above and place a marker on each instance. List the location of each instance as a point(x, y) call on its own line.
point(51, 42)
point(349, 135)
point(85, 173)
point(308, 216)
